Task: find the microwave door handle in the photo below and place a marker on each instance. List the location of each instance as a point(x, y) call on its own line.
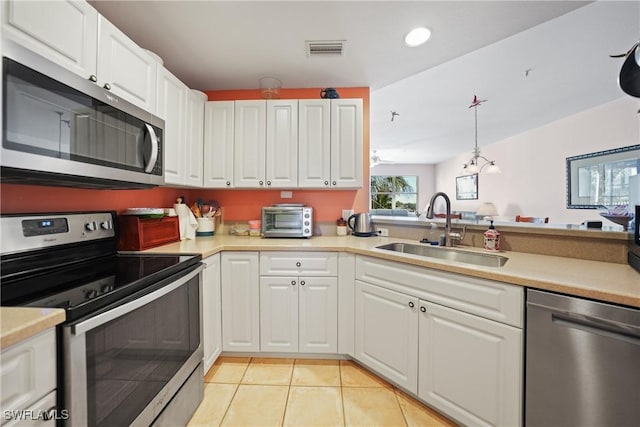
point(153, 155)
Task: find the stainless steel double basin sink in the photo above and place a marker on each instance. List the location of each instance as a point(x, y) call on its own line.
point(448, 254)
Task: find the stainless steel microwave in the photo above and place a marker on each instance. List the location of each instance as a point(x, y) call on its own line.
point(60, 129)
point(287, 220)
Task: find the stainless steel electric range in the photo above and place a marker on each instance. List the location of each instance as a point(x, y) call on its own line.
point(130, 349)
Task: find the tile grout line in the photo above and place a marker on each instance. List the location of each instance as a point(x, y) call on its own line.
point(226, 411)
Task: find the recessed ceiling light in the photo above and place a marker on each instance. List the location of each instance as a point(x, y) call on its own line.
point(417, 36)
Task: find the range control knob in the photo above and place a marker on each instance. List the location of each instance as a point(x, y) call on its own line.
point(90, 226)
point(106, 225)
point(91, 293)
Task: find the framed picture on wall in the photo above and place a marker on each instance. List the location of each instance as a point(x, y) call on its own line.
point(467, 187)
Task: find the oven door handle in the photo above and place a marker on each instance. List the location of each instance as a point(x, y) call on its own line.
point(101, 319)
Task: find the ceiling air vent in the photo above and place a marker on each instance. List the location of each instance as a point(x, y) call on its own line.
point(325, 48)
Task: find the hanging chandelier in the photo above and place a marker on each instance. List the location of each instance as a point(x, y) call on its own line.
point(473, 166)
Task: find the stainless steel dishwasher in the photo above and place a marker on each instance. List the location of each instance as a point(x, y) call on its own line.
point(582, 362)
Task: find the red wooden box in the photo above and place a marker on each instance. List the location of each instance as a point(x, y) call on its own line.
point(137, 234)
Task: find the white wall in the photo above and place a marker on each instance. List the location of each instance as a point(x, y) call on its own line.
point(533, 164)
point(425, 173)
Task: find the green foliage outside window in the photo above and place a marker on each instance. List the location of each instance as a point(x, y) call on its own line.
point(394, 192)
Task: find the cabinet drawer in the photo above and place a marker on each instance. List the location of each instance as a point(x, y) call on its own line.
point(43, 413)
point(296, 263)
point(30, 368)
point(486, 298)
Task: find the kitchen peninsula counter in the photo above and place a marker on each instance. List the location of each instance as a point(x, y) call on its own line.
point(20, 323)
point(605, 281)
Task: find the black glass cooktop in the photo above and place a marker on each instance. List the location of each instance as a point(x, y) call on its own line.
point(89, 286)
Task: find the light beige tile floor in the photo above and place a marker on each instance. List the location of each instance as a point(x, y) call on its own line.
point(242, 391)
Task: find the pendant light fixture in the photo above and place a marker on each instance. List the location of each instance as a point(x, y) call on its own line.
point(473, 166)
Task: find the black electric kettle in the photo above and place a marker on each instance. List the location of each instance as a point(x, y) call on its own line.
point(361, 225)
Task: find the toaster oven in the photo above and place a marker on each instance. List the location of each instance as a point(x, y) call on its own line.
point(287, 220)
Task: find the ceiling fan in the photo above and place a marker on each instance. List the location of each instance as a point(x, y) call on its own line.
point(377, 160)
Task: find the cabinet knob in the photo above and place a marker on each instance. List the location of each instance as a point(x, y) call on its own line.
point(268, 182)
point(326, 183)
point(298, 264)
point(335, 183)
point(93, 78)
point(261, 182)
point(411, 304)
point(423, 309)
point(228, 183)
point(302, 283)
point(107, 86)
point(293, 283)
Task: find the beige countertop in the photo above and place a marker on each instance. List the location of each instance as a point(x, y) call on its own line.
point(617, 283)
point(20, 323)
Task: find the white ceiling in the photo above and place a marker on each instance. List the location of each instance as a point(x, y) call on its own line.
point(477, 47)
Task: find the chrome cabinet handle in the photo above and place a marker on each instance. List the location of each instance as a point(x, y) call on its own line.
point(268, 182)
point(326, 183)
point(298, 264)
point(423, 309)
point(261, 182)
point(293, 283)
point(411, 304)
point(93, 78)
point(302, 283)
point(228, 182)
point(335, 183)
point(107, 86)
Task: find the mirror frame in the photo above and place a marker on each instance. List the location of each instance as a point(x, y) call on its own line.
point(576, 162)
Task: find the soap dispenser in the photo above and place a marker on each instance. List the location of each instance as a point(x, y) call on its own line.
point(492, 238)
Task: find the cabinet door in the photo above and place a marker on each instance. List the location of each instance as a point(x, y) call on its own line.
point(194, 138)
point(240, 301)
point(249, 144)
point(387, 333)
point(211, 311)
point(314, 143)
point(64, 31)
point(318, 315)
point(279, 313)
point(282, 144)
point(470, 367)
point(129, 71)
point(346, 143)
point(172, 95)
point(218, 144)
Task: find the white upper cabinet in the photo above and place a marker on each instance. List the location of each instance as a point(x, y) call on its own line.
point(282, 144)
point(125, 68)
point(330, 133)
point(183, 112)
point(346, 143)
point(66, 32)
point(218, 144)
point(249, 157)
point(194, 138)
point(74, 35)
point(172, 95)
point(314, 143)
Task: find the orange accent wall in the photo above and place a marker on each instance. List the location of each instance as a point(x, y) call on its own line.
point(238, 205)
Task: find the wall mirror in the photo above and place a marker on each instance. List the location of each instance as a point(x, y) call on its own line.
point(601, 179)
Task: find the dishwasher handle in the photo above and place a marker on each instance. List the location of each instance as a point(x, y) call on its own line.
point(613, 330)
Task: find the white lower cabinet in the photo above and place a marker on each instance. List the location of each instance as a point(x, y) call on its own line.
point(240, 301)
point(299, 314)
point(299, 302)
point(28, 377)
point(454, 354)
point(211, 311)
point(469, 367)
point(387, 333)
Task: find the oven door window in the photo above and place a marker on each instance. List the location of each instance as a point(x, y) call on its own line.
point(45, 117)
point(131, 358)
